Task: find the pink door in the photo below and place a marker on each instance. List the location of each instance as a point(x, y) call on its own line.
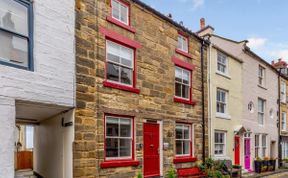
point(151, 150)
point(247, 153)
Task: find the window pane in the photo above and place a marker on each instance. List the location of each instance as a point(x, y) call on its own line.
point(125, 128)
point(186, 132)
point(178, 89)
point(115, 9)
point(126, 75)
point(186, 77)
point(185, 91)
point(124, 14)
point(180, 42)
point(13, 49)
point(125, 147)
point(112, 127)
point(112, 72)
point(178, 74)
point(126, 56)
point(114, 58)
point(111, 147)
point(14, 16)
point(186, 148)
point(185, 45)
point(179, 147)
point(179, 133)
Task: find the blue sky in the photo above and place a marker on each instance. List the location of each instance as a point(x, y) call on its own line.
point(263, 22)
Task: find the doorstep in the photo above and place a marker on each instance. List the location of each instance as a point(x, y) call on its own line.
point(257, 175)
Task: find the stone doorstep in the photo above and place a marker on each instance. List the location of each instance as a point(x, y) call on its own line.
point(256, 175)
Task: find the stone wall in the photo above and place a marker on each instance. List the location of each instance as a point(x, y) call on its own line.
point(155, 79)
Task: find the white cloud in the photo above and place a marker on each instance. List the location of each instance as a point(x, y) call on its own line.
point(276, 54)
point(195, 3)
point(256, 43)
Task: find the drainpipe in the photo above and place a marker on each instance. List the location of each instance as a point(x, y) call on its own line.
point(203, 45)
point(278, 124)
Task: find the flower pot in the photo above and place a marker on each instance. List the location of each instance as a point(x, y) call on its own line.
point(265, 165)
point(272, 165)
point(257, 166)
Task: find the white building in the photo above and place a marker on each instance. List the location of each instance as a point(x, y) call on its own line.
point(37, 82)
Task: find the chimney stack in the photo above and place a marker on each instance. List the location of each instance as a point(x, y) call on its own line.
point(202, 23)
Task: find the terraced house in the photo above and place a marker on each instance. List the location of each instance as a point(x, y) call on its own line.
point(141, 95)
point(37, 64)
point(281, 67)
point(256, 136)
point(225, 101)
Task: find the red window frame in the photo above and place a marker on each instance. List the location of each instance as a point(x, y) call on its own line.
point(185, 158)
point(180, 51)
point(190, 67)
point(120, 162)
point(117, 22)
point(124, 41)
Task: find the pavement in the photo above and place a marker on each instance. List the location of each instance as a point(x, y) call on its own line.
point(24, 174)
point(280, 175)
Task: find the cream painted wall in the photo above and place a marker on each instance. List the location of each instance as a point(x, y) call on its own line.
point(53, 147)
point(251, 92)
point(232, 83)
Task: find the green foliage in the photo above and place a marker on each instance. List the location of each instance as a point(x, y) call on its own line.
point(171, 173)
point(139, 175)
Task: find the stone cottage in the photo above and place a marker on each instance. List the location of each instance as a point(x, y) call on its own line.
point(141, 91)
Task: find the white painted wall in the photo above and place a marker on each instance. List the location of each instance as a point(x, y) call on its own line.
point(7, 137)
point(52, 81)
point(53, 147)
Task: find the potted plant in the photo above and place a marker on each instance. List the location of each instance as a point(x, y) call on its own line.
point(171, 173)
point(265, 164)
point(272, 164)
point(285, 162)
point(258, 165)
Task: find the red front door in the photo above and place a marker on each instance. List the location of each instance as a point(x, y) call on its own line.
point(237, 150)
point(151, 150)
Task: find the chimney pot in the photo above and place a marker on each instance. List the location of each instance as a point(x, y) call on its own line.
point(279, 60)
point(170, 15)
point(202, 23)
point(273, 62)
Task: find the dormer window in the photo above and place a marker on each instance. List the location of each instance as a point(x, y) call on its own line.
point(120, 11)
point(182, 43)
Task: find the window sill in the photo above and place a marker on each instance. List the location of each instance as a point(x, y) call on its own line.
point(120, 24)
point(184, 159)
point(262, 87)
point(120, 87)
point(223, 116)
point(179, 100)
point(111, 164)
point(223, 74)
point(183, 53)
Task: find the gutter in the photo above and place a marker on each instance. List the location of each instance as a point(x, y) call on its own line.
point(278, 124)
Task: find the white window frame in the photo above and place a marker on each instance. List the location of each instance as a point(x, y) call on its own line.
point(257, 145)
point(183, 41)
point(183, 139)
point(283, 92)
point(264, 147)
point(118, 137)
point(119, 64)
point(224, 143)
point(283, 121)
point(119, 3)
point(182, 83)
point(225, 65)
point(284, 147)
point(261, 112)
point(261, 76)
point(225, 103)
